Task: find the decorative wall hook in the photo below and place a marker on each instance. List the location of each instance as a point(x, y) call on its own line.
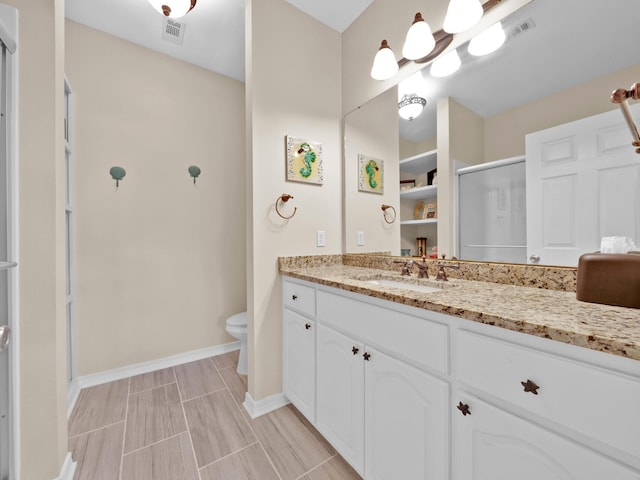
point(384, 213)
point(284, 198)
point(194, 171)
point(117, 173)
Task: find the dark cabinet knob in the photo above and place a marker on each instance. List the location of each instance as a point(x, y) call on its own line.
point(464, 408)
point(307, 326)
point(294, 297)
point(530, 386)
point(366, 356)
point(355, 350)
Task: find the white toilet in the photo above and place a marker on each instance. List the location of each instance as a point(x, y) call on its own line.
point(237, 328)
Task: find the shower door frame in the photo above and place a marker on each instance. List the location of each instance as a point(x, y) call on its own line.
point(8, 36)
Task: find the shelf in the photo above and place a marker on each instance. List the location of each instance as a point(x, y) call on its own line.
point(421, 163)
point(419, 222)
point(420, 193)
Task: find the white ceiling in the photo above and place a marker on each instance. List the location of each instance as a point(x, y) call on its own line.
point(573, 42)
point(214, 34)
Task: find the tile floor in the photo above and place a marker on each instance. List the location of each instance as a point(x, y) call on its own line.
point(188, 423)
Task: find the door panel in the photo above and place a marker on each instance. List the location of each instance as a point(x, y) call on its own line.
point(582, 182)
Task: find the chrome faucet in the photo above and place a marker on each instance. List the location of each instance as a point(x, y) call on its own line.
point(442, 274)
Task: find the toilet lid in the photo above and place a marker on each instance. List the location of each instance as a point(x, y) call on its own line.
point(238, 320)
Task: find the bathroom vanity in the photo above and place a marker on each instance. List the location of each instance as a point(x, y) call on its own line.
point(475, 380)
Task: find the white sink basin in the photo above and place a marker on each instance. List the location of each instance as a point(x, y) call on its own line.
point(383, 282)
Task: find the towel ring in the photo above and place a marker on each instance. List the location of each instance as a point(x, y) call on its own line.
point(384, 213)
point(284, 198)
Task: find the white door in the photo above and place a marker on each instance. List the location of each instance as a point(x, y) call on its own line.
point(340, 394)
point(490, 444)
point(406, 424)
point(583, 183)
point(299, 362)
point(7, 266)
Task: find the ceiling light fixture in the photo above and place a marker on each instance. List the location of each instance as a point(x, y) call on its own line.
point(446, 64)
point(462, 15)
point(419, 42)
point(487, 41)
point(385, 65)
point(411, 106)
point(173, 8)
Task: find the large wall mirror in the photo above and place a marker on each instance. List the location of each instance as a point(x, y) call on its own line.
point(560, 62)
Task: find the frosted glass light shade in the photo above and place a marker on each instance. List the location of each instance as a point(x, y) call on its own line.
point(446, 64)
point(173, 8)
point(462, 15)
point(488, 41)
point(419, 41)
point(411, 106)
point(385, 65)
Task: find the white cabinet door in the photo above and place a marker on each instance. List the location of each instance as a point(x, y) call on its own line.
point(406, 421)
point(582, 178)
point(299, 362)
point(340, 394)
point(490, 444)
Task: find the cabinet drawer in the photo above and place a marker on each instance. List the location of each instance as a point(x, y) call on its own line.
point(300, 298)
point(414, 339)
point(592, 401)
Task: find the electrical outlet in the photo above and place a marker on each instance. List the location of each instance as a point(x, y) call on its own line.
point(360, 239)
point(321, 240)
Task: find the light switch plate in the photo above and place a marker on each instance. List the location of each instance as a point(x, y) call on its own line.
point(360, 239)
point(320, 238)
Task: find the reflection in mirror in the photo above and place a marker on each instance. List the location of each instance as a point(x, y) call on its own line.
point(560, 63)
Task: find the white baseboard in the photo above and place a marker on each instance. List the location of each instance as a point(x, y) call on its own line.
point(266, 405)
point(144, 367)
point(68, 469)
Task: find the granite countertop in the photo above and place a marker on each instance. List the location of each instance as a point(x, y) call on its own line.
point(545, 313)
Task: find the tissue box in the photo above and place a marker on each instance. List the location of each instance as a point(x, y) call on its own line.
point(609, 278)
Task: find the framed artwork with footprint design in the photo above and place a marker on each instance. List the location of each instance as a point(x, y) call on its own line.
point(304, 160)
point(370, 174)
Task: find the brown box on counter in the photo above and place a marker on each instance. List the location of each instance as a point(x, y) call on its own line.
point(609, 278)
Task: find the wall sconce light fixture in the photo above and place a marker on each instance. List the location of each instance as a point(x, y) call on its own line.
point(621, 96)
point(194, 171)
point(117, 173)
point(422, 46)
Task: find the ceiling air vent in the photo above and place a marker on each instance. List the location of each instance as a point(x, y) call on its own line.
point(521, 27)
point(173, 31)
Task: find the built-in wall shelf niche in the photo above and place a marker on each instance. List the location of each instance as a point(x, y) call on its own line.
point(419, 222)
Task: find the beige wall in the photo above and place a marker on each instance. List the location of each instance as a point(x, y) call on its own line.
point(505, 132)
point(372, 130)
point(293, 87)
point(160, 262)
point(42, 333)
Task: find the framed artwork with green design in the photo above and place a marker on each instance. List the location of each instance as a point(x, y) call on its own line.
point(304, 160)
point(370, 174)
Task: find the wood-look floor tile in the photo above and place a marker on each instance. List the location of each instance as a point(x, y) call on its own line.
point(153, 415)
point(198, 378)
point(293, 445)
point(217, 426)
point(99, 407)
point(170, 459)
point(150, 380)
point(226, 360)
point(250, 463)
point(335, 469)
point(98, 453)
point(236, 383)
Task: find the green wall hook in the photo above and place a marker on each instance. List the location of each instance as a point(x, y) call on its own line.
point(117, 173)
point(194, 172)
